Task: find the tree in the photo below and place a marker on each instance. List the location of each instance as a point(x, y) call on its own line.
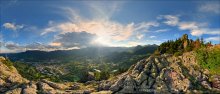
point(197, 44)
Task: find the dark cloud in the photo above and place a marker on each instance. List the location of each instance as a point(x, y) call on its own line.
point(40, 46)
point(12, 46)
point(68, 41)
point(75, 39)
point(1, 44)
point(33, 46)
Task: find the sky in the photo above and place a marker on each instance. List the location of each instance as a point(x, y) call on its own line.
point(63, 25)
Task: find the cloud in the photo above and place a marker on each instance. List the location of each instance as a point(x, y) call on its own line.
point(151, 41)
point(55, 44)
point(217, 38)
point(171, 20)
point(211, 7)
point(1, 44)
point(74, 39)
point(140, 36)
point(201, 31)
point(162, 30)
point(71, 14)
point(12, 45)
point(12, 26)
point(42, 47)
point(196, 29)
point(134, 43)
point(107, 30)
point(144, 26)
point(35, 46)
point(188, 25)
point(103, 10)
point(152, 36)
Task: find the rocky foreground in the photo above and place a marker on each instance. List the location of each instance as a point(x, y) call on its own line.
point(157, 74)
point(165, 74)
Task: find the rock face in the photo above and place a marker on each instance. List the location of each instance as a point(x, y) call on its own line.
point(165, 74)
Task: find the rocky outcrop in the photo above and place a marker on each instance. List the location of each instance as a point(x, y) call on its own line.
point(10, 79)
point(165, 74)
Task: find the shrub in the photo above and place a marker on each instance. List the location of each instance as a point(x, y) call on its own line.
point(209, 59)
point(8, 63)
point(178, 53)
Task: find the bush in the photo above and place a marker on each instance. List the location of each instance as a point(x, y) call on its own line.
point(178, 53)
point(209, 59)
point(8, 63)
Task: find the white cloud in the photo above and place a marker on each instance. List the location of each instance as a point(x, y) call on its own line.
point(188, 25)
point(170, 19)
point(144, 26)
point(153, 41)
point(152, 36)
point(12, 26)
point(140, 36)
point(201, 31)
point(162, 30)
point(71, 14)
point(211, 7)
point(197, 32)
point(103, 10)
point(196, 29)
point(212, 39)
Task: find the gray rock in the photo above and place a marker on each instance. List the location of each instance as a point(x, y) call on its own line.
point(117, 85)
point(129, 85)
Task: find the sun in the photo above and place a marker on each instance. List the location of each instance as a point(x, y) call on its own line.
point(101, 40)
